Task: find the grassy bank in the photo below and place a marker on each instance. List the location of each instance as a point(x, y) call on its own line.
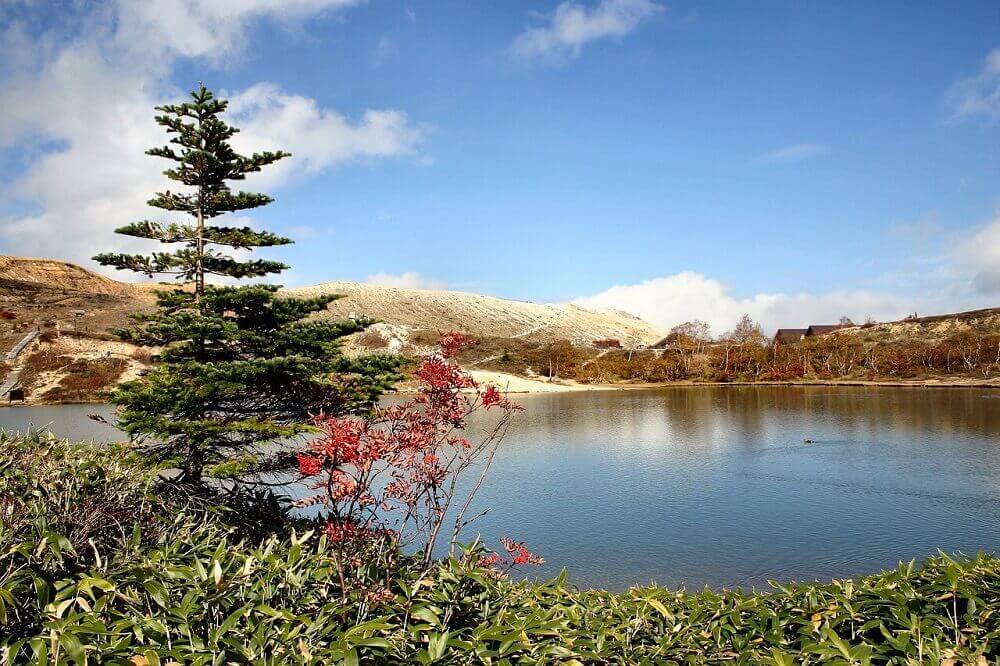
point(101, 564)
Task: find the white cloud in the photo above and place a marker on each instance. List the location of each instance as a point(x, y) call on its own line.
point(407, 280)
point(91, 96)
point(573, 25)
point(797, 152)
point(980, 255)
point(978, 95)
point(194, 28)
point(317, 138)
point(671, 300)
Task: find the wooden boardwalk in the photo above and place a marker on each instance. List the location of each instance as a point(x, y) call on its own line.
point(20, 346)
point(10, 381)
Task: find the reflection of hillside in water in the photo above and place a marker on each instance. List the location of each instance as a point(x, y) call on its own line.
point(696, 416)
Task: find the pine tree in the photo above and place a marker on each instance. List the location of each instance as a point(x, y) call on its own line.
point(240, 368)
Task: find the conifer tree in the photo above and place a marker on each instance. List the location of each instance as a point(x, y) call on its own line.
point(240, 367)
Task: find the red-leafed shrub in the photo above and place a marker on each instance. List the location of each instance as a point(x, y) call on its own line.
point(390, 480)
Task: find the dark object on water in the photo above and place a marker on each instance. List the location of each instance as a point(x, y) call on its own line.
point(807, 441)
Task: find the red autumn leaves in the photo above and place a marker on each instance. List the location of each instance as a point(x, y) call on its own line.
point(517, 555)
point(388, 479)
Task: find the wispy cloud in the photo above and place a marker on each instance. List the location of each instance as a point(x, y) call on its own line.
point(797, 152)
point(978, 95)
point(567, 30)
point(408, 280)
point(384, 49)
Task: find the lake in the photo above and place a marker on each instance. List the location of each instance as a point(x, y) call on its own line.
point(715, 485)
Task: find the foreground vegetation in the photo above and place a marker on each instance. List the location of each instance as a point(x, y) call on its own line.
point(103, 563)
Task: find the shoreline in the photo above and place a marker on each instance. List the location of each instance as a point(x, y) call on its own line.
point(514, 384)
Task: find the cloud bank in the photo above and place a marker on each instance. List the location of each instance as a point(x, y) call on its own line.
point(963, 276)
point(685, 296)
point(81, 106)
point(573, 25)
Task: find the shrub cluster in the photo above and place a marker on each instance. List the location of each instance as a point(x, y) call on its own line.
point(82, 379)
point(969, 353)
point(101, 564)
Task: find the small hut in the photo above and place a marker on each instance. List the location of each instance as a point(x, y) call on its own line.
point(824, 329)
point(788, 336)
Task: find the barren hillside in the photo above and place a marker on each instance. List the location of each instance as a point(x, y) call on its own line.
point(45, 290)
point(44, 294)
point(63, 276)
point(74, 309)
point(481, 315)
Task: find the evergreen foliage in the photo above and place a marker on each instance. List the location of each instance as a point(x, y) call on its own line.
point(240, 367)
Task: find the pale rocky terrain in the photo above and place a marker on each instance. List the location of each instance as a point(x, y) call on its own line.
point(438, 310)
point(75, 309)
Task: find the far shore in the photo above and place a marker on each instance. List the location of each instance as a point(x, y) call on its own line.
point(514, 384)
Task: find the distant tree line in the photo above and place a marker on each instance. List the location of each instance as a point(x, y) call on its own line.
point(746, 354)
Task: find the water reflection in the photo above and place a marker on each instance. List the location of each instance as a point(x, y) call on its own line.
point(715, 485)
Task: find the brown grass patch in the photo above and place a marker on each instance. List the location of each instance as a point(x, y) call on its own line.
point(372, 339)
point(86, 379)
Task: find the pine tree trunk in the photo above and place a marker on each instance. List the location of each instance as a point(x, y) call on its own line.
point(193, 464)
point(199, 277)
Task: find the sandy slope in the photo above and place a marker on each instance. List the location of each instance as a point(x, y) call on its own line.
point(64, 276)
point(513, 384)
point(481, 315)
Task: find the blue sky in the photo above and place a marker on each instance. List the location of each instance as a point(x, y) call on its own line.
point(675, 159)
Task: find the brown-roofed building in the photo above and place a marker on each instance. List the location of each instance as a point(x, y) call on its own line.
point(787, 336)
point(823, 329)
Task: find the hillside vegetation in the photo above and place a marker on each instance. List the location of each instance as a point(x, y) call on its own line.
point(962, 348)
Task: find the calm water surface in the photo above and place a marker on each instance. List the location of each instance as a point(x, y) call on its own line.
point(714, 485)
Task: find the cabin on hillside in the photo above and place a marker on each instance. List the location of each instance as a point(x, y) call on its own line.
point(788, 336)
point(824, 329)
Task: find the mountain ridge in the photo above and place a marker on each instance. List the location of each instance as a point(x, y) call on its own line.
point(76, 287)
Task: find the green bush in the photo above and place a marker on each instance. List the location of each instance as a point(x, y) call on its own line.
point(174, 579)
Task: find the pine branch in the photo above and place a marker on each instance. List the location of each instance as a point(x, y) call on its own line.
point(227, 267)
point(235, 237)
point(150, 265)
